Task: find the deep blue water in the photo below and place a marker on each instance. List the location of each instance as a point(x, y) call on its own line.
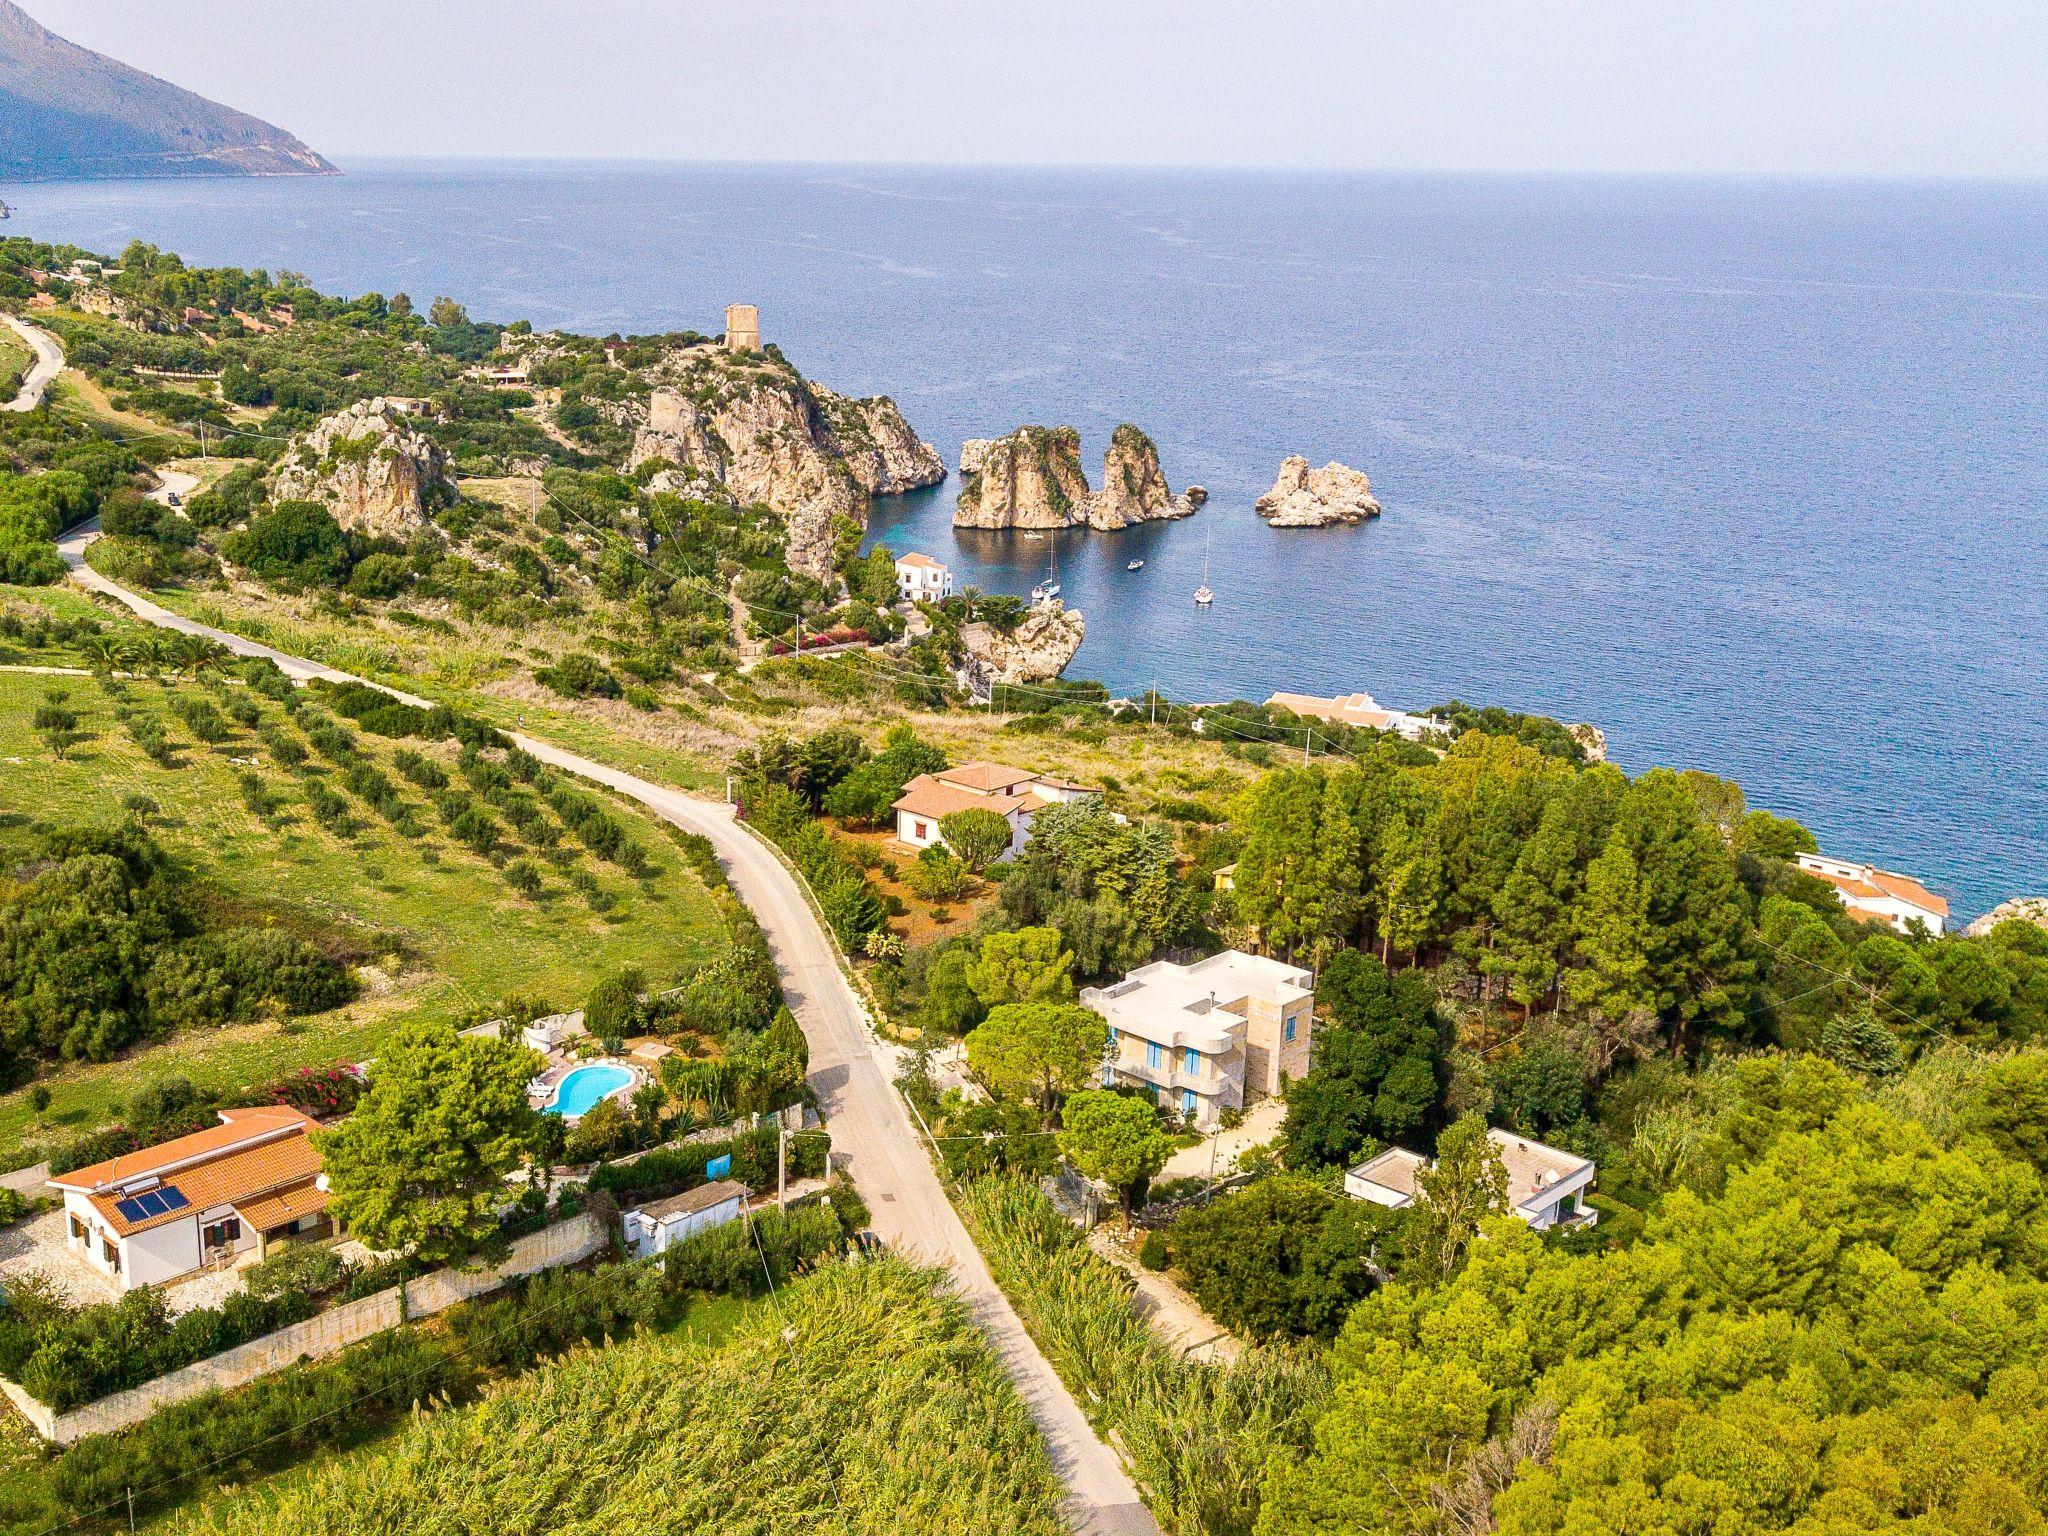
point(1754, 475)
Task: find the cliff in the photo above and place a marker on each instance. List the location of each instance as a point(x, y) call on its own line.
point(1134, 490)
point(775, 438)
point(1317, 498)
point(1039, 648)
point(372, 470)
point(1029, 479)
point(67, 111)
point(1033, 479)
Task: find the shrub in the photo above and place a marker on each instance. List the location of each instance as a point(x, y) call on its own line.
point(1152, 1251)
point(579, 675)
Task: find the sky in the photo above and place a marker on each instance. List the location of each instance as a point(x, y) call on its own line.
point(1744, 87)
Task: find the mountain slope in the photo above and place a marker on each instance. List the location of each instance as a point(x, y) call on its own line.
point(67, 111)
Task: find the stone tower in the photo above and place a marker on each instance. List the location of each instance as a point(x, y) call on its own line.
point(742, 328)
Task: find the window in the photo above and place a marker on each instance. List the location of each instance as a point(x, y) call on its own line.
point(1290, 1027)
point(108, 1252)
point(224, 1233)
point(1155, 1055)
point(1113, 1039)
point(919, 830)
point(1187, 1101)
point(1191, 1062)
point(78, 1231)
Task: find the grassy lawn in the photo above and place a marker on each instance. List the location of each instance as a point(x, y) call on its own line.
point(15, 358)
point(452, 934)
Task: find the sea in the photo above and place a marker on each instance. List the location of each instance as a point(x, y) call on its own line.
point(1751, 474)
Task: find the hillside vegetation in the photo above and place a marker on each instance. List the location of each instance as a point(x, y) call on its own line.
point(879, 1409)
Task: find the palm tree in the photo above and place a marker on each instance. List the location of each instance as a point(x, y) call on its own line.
point(101, 653)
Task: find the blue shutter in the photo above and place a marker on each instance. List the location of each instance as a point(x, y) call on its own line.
point(1187, 1101)
point(1191, 1061)
point(1154, 1055)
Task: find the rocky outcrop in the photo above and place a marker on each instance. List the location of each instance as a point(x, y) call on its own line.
point(1039, 648)
point(774, 438)
point(370, 467)
point(2020, 909)
point(885, 456)
point(1591, 739)
point(1033, 479)
point(1029, 479)
point(1133, 488)
point(1317, 498)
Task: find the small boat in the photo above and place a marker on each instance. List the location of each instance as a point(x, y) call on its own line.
point(1203, 596)
point(1049, 588)
point(1135, 565)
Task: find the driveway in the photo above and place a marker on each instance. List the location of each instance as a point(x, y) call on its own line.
point(1216, 1156)
point(47, 363)
point(850, 1070)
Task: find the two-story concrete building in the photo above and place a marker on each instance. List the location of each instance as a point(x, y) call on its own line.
point(1210, 1036)
point(1878, 895)
point(1546, 1187)
point(921, 579)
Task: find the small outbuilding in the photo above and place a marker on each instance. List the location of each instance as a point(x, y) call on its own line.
point(652, 1229)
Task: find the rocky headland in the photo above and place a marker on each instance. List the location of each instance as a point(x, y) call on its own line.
point(370, 467)
point(1333, 496)
point(2018, 909)
point(771, 436)
point(1032, 479)
point(1044, 641)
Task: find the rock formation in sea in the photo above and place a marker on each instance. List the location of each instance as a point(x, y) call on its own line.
point(2019, 909)
point(1033, 479)
point(774, 437)
point(370, 467)
point(1030, 479)
point(1133, 488)
point(1039, 648)
point(1317, 498)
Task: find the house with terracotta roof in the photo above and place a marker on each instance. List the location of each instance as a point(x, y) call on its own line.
point(199, 1202)
point(1356, 709)
point(1546, 1187)
point(1877, 895)
point(921, 579)
point(1015, 794)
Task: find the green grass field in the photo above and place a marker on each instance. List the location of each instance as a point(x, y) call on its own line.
point(14, 363)
point(452, 932)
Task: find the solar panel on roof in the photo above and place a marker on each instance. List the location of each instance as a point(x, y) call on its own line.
point(151, 1203)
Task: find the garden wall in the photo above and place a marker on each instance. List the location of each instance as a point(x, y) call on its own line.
point(567, 1242)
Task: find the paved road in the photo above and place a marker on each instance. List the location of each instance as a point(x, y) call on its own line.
point(850, 1071)
point(47, 364)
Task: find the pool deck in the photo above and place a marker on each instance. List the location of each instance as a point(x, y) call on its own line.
point(541, 1091)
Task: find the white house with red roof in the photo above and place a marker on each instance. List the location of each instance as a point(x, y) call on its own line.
point(921, 579)
point(1877, 895)
point(168, 1211)
point(1015, 794)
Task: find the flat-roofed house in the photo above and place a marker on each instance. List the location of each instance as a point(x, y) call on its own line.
point(1209, 1036)
point(1878, 895)
point(921, 579)
point(651, 1229)
point(148, 1217)
point(1015, 794)
point(1357, 709)
point(1546, 1187)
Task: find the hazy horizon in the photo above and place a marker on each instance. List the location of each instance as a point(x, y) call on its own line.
point(1830, 88)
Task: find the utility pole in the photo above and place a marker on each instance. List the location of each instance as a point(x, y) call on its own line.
point(1307, 742)
point(781, 1162)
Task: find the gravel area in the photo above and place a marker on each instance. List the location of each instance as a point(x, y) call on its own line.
point(37, 1247)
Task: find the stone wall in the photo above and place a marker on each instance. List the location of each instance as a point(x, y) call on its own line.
point(567, 1242)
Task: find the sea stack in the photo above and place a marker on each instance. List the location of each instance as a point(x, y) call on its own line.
point(1032, 479)
point(1335, 495)
point(1133, 488)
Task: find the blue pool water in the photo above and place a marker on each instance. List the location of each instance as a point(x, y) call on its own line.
point(1749, 473)
point(581, 1089)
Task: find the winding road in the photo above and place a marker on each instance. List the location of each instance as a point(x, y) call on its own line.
point(47, 363)
point(850, 1070)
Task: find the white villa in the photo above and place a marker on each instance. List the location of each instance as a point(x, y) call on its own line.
point(651, 1229)
point(1015, 794)
point(1878, 895)
point(168, 1211)
point(1209, 1036)
point(921, 579)
point(1354, 709)
point(1545, 1186)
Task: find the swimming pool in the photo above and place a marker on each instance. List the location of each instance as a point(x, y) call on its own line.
point(577, 1093)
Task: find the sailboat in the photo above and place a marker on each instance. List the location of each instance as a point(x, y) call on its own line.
point(1135, 565)
point(1049, 588)
point(1203, 596)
